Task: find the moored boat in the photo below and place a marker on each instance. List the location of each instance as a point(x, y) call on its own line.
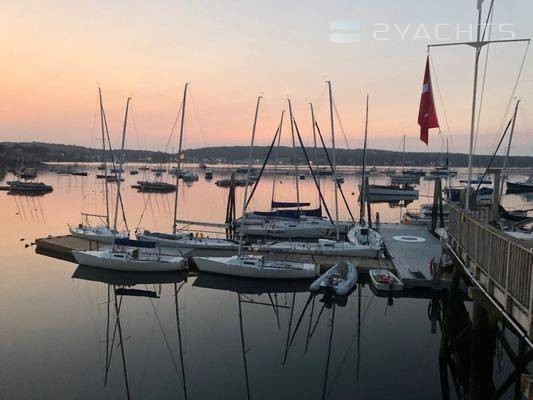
point(520, 187)
point(326, 247)
point(185, 240)
point(18, 187)
point(143, 257)
point(339, 279)
point(101, 234)
point(384, 280)
point(252, 266)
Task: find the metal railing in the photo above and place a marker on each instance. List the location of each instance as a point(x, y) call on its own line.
point(498, 260)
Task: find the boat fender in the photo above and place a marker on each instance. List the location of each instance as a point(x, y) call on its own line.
point(463, 217)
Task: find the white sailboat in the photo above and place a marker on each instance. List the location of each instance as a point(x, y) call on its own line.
point(405, 177)
point(327, 247)
point(125, 254)
point(184, 239)
point(362, 233)
point(101, 232)
point(252, 266)
point(368, 245)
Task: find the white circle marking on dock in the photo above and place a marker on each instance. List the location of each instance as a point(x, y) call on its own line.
point(411, 239)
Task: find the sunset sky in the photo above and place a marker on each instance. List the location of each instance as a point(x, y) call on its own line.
point(56, 53)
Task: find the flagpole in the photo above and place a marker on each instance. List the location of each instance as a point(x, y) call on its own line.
point(478, 45)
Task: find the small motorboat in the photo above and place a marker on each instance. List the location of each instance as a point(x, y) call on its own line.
point(479, 179)
point(18, 187)
point(155, 187)
point(339, 279)
point(189, 176)
point(520, 187)
point(340, 180)
point(385, 281)
point(134, 172)
point(208, 174)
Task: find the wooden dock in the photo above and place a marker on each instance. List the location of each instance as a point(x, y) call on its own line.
point(411, 249)
point(61, 247)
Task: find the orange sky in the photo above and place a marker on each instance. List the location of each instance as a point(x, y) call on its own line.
point(56, 54)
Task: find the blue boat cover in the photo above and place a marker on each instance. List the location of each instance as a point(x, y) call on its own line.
point(314, 212)
point(288, 204)
point(135, 243)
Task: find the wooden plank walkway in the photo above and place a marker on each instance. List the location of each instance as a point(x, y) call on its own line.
point(411, 248)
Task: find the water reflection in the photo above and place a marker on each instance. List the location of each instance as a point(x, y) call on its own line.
point(228, 337)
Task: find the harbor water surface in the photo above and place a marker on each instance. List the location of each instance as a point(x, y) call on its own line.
point(69, 332)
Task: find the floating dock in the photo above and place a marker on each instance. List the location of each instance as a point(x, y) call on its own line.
point(61, 247)
point(411, 248)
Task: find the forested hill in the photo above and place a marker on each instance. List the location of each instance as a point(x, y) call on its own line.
point(50, 152)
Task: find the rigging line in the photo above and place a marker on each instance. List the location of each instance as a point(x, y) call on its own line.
point(322, 96)
point(198, 119)
point(439, 93)
point(115, 169)
point(331, 166)
point(94, 121)
point(483, 81)
point(340, 124)
point(167, 345)
point(312, 171)
point(264, 165)
point(493, 156)
point(135, 128)
point(506, 113)
point(173, 127)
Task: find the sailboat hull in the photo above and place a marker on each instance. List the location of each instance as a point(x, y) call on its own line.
point(184, 241)
point(101, 234)
point(108, 259)
point(228, 266)
point(334, 249)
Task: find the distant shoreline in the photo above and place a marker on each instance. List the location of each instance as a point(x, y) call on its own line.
point(32, 153)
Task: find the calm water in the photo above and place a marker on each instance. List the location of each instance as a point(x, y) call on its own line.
point(200, 337)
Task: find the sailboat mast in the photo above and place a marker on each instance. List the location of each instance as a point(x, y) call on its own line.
point(403, 155)
point(363, 173)
point(296, 174)
point(121, 162)
point(334, 159)
point(248, 173)
point(277, 159)
point(313, 123)
point(506, 159)
point(106, 190)
point(178, 166)
point(474, 98)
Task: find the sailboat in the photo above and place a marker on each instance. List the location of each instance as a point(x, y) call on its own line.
point(362, 233)
point(369, 245)
point(253, 266)
point(126, 254)
point(284, 221)
point(102, 232)
point(184, 239)
point(405, 177)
